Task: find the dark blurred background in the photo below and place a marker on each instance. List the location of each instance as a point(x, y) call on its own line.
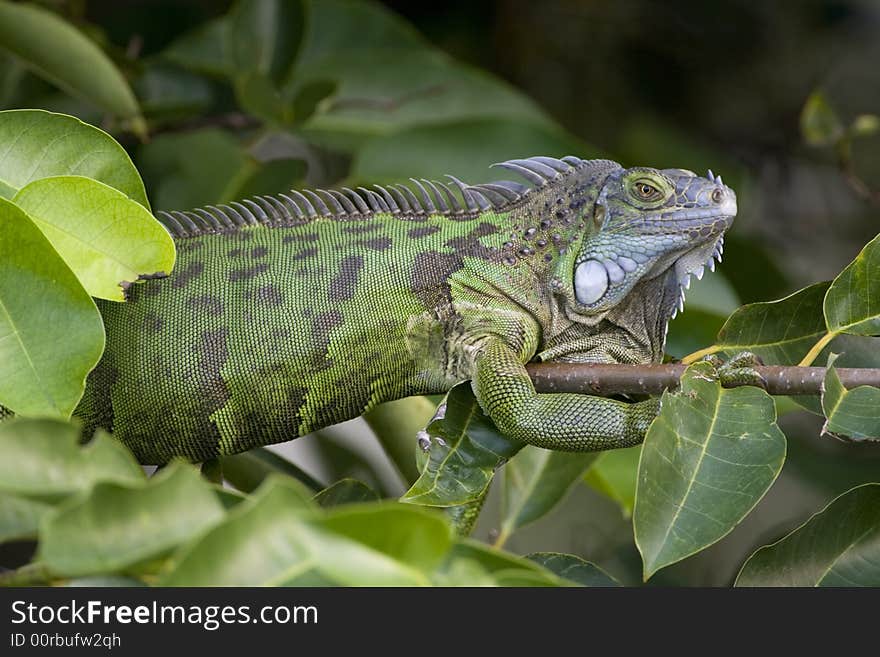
point(688, 83)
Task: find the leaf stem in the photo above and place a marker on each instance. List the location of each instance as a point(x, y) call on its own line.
point(697, 355)
point(813, 353)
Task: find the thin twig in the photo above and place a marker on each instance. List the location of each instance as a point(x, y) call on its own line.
point(600, 379)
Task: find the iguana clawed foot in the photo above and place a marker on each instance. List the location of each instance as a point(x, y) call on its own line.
point(738, 370)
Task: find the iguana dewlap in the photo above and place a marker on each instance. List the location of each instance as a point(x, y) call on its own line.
point(286, 314)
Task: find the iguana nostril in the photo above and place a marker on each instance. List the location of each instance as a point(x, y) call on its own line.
point(718, 195)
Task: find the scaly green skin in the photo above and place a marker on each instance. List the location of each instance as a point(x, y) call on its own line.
point(269, 331)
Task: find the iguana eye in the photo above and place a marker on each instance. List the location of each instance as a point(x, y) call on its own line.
point(645, 191)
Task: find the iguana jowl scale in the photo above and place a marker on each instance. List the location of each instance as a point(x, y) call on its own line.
point(290, 313)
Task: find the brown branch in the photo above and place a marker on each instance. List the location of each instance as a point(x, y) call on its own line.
point(597, 379)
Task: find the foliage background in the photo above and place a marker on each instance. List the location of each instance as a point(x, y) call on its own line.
point(684, 84)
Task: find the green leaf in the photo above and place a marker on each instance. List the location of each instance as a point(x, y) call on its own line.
point(276, 539)
point(571, 567)
point(169, 92)
point(465, 451)
point(272, 177)
point(115, 526)
point(839, 546)
point(535, 481)
point(707, 460)
point(248, 470)
point(820, 125)
point(108, 240)
point(780, 332)
point(465, 147)
point(615, 474)
point(43, 460)
point(472, 563)
point(385, 92)
point(852, 304)
point(263, 36)
point(346, 491)
point(38, 144)
point(60, 53)
point(853, 413)
point(20, 517)
point(51, 334)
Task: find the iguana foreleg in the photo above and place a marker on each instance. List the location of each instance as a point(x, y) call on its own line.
point(560, 421)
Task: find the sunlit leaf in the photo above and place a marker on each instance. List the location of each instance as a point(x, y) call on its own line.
point(20, 517)
point(465, 451)
point(473, 563)
point(707, 460)
point(279, 539)
point(38, 144)
point(117, 526)
point(43, 460)
point(60, 53)
point(51, 334)
point(107, 239)
point(839, 546)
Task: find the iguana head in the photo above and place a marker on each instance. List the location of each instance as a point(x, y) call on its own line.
point(645, 222)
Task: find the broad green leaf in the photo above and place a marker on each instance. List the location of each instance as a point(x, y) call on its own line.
point(60, 53)
point(263, 36)
point(780, 332)
point(43, 460)
point(248, 470)
point(51, 334)
point(615, 474)
point(384, 93)
point(115, 526)
point(839, 546)
point(471, 563)
point(346, 491)
point(465, 148)
point(35, 144)
point(852, 304)
point(274, 540)
point(108, 240)
point(535, 481)
point(20, 517)
point(571, 567)
point(262, 40)
point(853, 413)
point(707, 460)
point(465, 451)
point(820, 125)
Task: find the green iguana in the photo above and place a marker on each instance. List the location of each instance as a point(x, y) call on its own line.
point(286, 314)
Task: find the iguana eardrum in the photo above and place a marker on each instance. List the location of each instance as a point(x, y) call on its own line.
point(290, 313)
